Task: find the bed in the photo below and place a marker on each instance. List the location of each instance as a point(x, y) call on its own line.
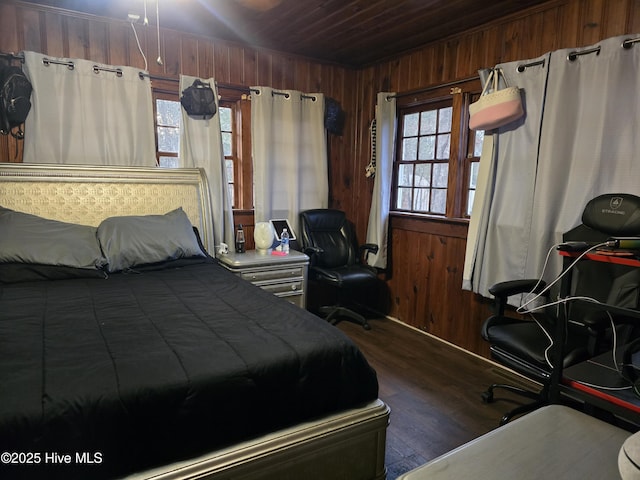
point(143, 358)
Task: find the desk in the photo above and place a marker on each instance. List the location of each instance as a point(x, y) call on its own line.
point(579, 380)
point(598, 382)
point(552, 442)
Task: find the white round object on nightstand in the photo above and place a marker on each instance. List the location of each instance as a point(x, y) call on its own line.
point(263, 236)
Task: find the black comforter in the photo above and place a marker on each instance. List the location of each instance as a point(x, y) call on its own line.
point(143, 369)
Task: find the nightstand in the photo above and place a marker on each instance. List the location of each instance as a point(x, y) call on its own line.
point(284, 276)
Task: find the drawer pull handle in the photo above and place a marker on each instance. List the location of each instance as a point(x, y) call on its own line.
point(294, 287)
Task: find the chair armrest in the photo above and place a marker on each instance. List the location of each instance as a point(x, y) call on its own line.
point(313, 253)
point(365, 250)
point(503, 290)
point(369, 247)
point(514, 287)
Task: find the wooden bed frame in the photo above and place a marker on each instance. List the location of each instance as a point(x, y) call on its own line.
point(348, 445)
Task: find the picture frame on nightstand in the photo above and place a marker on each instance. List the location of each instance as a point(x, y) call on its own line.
point(280, 224)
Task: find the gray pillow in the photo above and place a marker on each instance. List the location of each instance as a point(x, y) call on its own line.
point(26, 238)
point(138, 240)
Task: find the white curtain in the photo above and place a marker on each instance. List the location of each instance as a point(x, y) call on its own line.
point(289, 153)
point(577, 141)
point(201, 147)
point(378, 228)
point(89, 114)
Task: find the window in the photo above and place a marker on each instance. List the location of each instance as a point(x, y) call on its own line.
point(167, 132)
point(476, 138)
point(437, 156)
point(227, 128)
point(235, 121)
point(423, 167)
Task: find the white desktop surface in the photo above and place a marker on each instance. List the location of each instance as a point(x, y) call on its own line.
point(553, 442)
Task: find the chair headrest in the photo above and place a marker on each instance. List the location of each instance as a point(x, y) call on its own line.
point(616, 214)
point(325, 219)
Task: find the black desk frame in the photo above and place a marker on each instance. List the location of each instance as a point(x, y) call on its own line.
point(556, 386)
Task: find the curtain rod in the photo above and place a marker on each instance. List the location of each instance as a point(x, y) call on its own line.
point(177, 80)
point(572, 56)
point(432, 87)
point(223, 85)
point(118, 72)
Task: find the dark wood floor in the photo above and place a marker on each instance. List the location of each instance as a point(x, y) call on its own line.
point(433, 390)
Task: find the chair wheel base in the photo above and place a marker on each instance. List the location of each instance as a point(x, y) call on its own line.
point(338, 313)
point(539, 399)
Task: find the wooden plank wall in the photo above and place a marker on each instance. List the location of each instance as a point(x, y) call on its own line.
point(425, 275)
point(61, 33)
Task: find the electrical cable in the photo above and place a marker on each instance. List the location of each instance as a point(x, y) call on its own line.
point(522, 308)
point(563, 301)
point(159, 59)
point(135, 34)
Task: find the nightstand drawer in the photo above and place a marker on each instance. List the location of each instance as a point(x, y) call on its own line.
point(274, 274)
point(284, 288)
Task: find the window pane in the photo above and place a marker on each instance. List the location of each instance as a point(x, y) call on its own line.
point(423, 175)
point(428, 124)
point(168, 113)
point(477, 146)
point(472, 195)
point(438, 201)
point(427, 148)
point(231, 194)
point(410, 128)
point(473, 176)
point(410, 149)
point(225, 119)
point(404, 199)
point(227, 138)
point(440, 174)
point(445, 119)
point(405, 174)
point(168, 139)
point(169, 162)
point(421, 200)
point(444, 143)
point(229, 165)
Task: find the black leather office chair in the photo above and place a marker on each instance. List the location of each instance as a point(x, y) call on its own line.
point(328, 239)
point(524, 346)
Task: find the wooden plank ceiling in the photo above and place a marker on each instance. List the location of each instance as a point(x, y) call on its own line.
point(349, 32)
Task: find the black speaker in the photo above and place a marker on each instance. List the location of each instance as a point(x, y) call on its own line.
point(333, 116)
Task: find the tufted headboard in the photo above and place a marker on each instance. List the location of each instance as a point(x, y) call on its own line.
point(88, 194)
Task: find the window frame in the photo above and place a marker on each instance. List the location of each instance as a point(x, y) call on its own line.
point(238, 101)
point(162, 93)
point(460, 96)
point(436, 105)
